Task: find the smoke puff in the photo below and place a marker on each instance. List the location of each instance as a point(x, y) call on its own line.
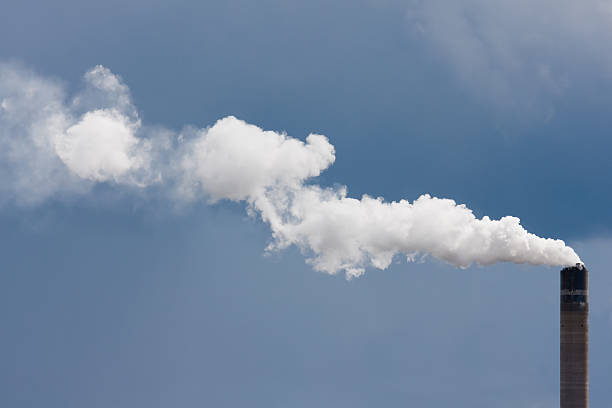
point(32, 112)
point(104, 90)
point(50, 146)
point(237, 161)
point(54, 146)
point(101, 146)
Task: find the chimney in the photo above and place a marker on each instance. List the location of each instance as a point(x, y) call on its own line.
point(575, 337)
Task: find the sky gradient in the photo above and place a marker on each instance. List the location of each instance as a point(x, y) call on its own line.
point(111, 299)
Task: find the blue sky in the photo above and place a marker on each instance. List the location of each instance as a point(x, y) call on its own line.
point(114, 299)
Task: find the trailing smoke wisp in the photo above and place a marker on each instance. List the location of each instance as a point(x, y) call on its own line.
point(51, 145)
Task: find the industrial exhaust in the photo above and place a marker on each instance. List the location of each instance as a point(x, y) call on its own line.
point(99, 138)
point(574, 386)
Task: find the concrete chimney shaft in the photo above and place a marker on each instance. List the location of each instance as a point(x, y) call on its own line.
point(575, 337)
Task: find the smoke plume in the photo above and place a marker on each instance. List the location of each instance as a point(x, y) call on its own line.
point(52, 145)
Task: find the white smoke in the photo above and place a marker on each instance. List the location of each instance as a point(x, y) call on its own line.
point(349, 234)
point(52, 146)
point(57, 147)
point(237, 161)
point(100, 147)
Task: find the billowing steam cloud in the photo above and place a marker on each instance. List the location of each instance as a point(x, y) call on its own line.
point(53, 146)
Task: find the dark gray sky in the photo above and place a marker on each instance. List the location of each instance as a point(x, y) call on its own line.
point(110, 301)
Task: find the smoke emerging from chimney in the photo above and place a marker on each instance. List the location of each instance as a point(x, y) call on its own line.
point(51, 145)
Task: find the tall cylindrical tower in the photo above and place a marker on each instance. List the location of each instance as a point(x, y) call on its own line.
point(575, 337)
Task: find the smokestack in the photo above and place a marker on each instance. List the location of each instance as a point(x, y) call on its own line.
point(575, 337)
